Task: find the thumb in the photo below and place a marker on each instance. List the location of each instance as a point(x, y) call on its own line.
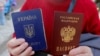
point(78, 50)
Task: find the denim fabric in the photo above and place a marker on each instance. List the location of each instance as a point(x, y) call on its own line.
point(93, 41)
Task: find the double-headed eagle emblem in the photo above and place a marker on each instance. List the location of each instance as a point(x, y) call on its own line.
point(29, 30)
point(67, 33)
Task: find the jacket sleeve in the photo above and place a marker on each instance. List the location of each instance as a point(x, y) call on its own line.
point(93, 41)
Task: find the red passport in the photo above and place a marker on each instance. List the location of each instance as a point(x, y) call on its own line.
point(66, 32)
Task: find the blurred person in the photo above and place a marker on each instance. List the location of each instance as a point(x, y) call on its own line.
point(94, 0)
point(89, 42)
point(2, 16)
point(8, 6)
point(98, 8)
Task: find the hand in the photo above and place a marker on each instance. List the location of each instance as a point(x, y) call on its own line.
point(81, 51)
point(18, 47)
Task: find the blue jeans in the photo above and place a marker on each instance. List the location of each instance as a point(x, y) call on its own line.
point(2, 17)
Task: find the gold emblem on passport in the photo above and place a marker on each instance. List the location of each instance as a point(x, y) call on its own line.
point(29, 30)
point(67, 34)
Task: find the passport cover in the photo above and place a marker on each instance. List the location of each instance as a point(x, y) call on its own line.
point(29, 25)
point(66, 32)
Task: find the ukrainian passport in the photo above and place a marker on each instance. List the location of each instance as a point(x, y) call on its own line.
point(29, 25)
point(66, 32)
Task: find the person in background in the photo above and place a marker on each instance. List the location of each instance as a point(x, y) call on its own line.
point(2, 16)
point(98, 8)
point(8, 6)
point(89, 42)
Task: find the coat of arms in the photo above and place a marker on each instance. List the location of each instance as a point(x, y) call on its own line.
point(67, 33)
point(29, 30)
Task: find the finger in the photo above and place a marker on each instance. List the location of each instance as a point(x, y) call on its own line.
point(85, 54)
point(32, 53)
point(49, 55)
point(15, 42)
point(79, 50)
point(20, 49)
point(27, 52)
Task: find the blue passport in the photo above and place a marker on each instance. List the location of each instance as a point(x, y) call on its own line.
point(29, 25)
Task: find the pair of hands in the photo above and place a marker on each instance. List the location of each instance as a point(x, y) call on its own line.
point(18, 47)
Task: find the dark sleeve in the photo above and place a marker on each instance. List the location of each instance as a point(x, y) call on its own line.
point(93, 41)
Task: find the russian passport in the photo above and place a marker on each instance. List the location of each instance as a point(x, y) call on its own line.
point(29, 25)
point(66, 32)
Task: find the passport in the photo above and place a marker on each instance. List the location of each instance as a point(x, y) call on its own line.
point(66, 32)
point(29, 25)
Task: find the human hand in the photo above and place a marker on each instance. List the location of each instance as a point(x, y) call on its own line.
point(18, 47)
point(81, 51)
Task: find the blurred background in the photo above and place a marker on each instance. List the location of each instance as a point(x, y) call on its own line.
point(6, 27)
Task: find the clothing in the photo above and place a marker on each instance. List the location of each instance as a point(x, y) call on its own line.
point(91, 22)
point(2, 17)
point(92, 41)
point(85, 40)
point(8, 6)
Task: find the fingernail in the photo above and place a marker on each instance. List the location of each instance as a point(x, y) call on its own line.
point(32, 52)
point(21, 39)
